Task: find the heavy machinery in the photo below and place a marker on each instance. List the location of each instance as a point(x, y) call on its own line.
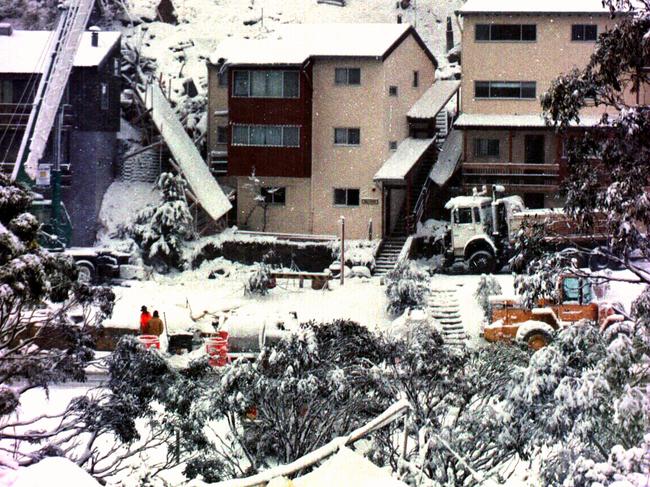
point(482, 230)
point(576, 301)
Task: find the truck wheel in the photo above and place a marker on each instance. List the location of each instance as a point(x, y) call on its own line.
point(86, 272)
point(537, 339)
point(482, 262)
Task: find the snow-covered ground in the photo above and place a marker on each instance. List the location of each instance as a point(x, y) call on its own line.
point(182, 296)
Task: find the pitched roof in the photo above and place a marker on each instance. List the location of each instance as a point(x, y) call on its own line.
point(434, 99)
point(293, 44)
point(398, 165)
point(25, 51)
point(533, 7)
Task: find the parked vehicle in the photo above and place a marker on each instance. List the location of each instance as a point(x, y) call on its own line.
point(482, 230)
point(511, 321)
point(97, 265)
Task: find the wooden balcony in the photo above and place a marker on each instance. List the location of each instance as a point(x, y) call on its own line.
point(542, 178)
point(16, 115)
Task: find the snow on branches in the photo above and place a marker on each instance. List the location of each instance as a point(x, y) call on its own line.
point(161, 229)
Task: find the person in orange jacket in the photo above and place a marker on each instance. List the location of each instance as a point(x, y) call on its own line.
point(145, 316)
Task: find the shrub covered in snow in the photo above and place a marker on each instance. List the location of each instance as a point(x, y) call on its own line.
point(406, 287)
point(487, 286)
point(260, 281)
point(357, 253)
point(160, 230)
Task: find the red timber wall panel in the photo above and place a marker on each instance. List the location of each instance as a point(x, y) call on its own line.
point(292, 162)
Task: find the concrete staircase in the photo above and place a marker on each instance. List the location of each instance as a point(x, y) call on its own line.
point(388, 253)
point(444, 307)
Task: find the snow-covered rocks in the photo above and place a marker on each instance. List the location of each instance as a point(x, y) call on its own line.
point(360, 271)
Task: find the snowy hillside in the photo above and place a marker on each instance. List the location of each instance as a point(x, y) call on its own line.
point(181, 51)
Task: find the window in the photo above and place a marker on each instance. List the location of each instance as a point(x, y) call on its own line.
point(266, 135)
point(486, 147)
point(6, 91)
point(103, 91)
point(477, 215)
point(266, 84)
point(416, 79)
point(117, 68)
point(346, 197)
point(223, 77)
point(506, 32)
point(392, 90)
point(392, 145)
point(505, 89)
point(275, 195)
point(347, 136)
point(584, 32)
point(222, 135)
point(347, 76)
point(463, 216)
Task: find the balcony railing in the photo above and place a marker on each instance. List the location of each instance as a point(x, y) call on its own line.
point(514, 176)
point(15, 115)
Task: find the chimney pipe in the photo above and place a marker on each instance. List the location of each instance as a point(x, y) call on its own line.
point(450, 35)
point(94, 36)
point(399, 18)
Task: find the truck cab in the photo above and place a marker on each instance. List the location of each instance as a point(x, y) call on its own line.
point(471, 232)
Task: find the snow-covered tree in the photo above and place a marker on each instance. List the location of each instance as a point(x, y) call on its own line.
point(40, 344)
point(487, 286)
point(160, 230)
point(586, 395)
point(456, 426)
point(311, 387)
point(406, 287)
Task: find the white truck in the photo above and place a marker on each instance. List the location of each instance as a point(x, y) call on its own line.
point(482, 229)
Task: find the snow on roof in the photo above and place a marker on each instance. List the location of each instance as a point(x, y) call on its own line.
point(465, 201)
point(398, 165)
point(25, 51)
point(534, 6)
point(54, 472)
point(434, 99)
point(348, 467)
point(195, 170)
point(448, 158)
point(470, 120)
point(295, 43)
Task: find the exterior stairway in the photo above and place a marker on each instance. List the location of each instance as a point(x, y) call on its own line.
point(388, 253)
point(444, 307)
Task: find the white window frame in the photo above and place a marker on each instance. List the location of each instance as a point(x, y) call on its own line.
point(584, 31)
point(346, 205)
point(490, 82)
point(347, 76)
point(249, 84)
point(492, 26)
point(249, 144)
point(347, 137)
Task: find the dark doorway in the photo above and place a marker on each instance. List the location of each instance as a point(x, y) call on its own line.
point(534, 149)
point(534, 200)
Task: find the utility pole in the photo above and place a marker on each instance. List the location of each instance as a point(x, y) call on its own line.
point(342, 250)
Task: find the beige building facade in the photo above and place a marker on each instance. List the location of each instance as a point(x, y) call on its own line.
point(511, 55)
point(350, 109)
